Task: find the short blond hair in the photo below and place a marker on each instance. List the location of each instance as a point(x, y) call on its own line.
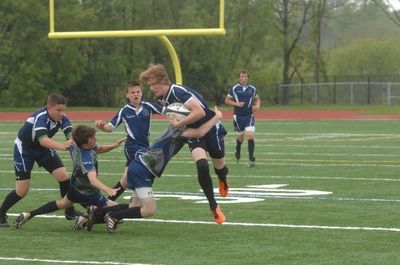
point(157, 72)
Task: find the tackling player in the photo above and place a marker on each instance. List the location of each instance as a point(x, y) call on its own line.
point(34, 143)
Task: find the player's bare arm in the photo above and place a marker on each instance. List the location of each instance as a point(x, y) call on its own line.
point(49, 143)
point(230, 102)
point(95, 182)
point(108, 147)
point(203, 129)
point(196, 113)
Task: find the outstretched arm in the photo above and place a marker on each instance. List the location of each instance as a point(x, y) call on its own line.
point(203, 129)
point(108, 147)
point(95, 182)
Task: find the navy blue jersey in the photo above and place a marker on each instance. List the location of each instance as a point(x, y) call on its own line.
point(84, 161)
point(137, 122)
point(157, 156)
point(183, 94)
point(40, 124)
point(246, 94)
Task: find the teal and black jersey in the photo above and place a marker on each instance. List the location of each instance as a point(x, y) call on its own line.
point(157, 156)
point(84, 161)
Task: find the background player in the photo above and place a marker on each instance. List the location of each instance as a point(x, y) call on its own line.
point(136, 116)
point(85, 186)
point(34, 144)
point(156, 77)
point(244, 98)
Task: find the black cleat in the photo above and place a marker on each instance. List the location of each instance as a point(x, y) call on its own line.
point(21, 219)
point(71, 213)
point(3, 220)
point(90, 212)
point(111, 223)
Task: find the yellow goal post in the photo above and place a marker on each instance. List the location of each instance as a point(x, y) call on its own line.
point(159, 33)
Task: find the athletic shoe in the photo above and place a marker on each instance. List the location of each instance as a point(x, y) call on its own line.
point(252, 163)
point(80, 223)
point(21, 220)
point(111, 223)
point(237, 156)
point(218, 216)
point(223, 188)
point(3, 220)
point(90, 212)
point(71, 213)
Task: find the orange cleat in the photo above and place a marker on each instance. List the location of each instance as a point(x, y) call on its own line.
point(223, 188)
point(218, 216)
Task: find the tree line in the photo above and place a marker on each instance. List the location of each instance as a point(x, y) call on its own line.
point(278, 41)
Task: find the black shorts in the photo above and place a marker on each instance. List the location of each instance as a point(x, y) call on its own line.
point(212, 142)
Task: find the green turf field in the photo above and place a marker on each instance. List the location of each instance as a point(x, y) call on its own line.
point(321, 193)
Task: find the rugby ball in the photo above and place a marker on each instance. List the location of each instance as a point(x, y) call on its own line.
point(176, 111)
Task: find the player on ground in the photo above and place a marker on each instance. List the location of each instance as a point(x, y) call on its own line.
point(85, 186)
point(136, 116)
point(34, 144)
point(244, 98)
point(150, 164)
point(156, 77)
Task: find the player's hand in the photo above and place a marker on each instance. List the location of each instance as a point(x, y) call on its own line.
point(112, 192)
point(255, 108)
point(120, 141)
point(67, 144)
point(218, 113)
point(175, 123)
point(100, 124)
point(240, 104)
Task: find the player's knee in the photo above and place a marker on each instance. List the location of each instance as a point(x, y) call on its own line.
point(202, 167)
point(148, 210)
point(21, 190)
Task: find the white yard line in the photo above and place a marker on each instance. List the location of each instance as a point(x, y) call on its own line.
point(295, 226)
point(28, 260)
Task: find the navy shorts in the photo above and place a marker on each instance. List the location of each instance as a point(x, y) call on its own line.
point(241, 122)
point(139, 175)
point(130, 152)
point(212, 142)
point(96, 199)
point(25, 157)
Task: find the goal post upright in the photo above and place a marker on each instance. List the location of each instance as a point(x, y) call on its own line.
point(161, 34)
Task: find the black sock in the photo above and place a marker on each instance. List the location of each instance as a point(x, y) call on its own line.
point(100, 212)
point(251, 150)
point(238, 146)
point(205, 181)
point(11, 199)
point(119, 192)
point(46, 208)
point(130, 213)
point(221, 173)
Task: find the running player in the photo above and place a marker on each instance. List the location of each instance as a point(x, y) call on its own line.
point(86, 186)
point(136, 116)
point(156, 77)
point(244, 98)
point(34, 144)
point(150, 164)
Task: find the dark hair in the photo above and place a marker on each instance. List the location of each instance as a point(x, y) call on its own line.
point(82, 133)
point(244, 71)
point(55, 99)
point(131, 84)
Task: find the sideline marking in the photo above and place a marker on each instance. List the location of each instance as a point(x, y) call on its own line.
point(70, 261)
point(321, 227)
